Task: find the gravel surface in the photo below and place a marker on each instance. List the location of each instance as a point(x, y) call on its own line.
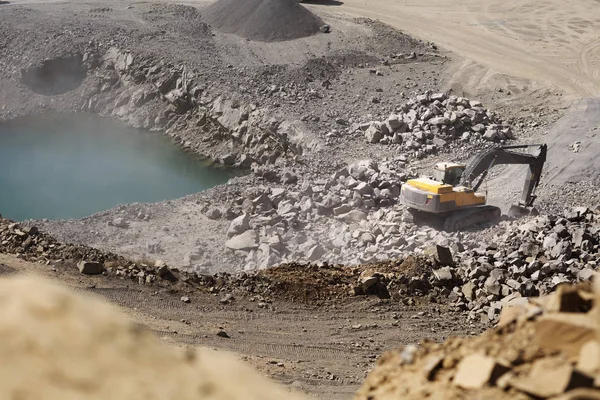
point(263, 20)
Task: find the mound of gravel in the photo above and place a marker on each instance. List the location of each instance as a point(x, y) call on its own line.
point(263, 20)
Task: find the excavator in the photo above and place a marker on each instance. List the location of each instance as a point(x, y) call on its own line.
point(450, 199)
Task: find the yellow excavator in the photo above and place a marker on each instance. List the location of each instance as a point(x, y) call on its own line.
point(449, 199)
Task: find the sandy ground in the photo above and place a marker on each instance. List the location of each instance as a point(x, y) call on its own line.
point(323, 351)
point(549, 42)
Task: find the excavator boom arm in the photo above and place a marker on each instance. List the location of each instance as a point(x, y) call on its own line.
point(479, 166)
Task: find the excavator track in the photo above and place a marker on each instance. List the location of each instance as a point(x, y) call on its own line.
point(421, 218)
point(462, 219)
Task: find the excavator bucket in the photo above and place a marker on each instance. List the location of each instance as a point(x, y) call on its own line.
point(520, 211)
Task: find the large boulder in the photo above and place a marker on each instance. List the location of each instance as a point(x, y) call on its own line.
point(90, 267)
point(239, 225)
point(245, 241)
point(373, 134)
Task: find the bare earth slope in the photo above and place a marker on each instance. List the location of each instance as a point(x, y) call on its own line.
point(90, 350)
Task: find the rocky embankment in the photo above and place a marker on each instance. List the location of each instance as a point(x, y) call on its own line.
point(148, 93)
point(476, 273)
point(546, 348)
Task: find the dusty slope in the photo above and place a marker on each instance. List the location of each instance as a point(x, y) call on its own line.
point(572, 163)
point(90, 350)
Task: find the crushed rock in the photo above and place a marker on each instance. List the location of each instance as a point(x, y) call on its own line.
point(545, 349)
point(263, 20)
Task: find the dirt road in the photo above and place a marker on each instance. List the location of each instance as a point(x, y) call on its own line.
point(325, 351)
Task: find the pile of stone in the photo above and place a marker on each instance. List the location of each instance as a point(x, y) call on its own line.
point(547, 348)
point(429, 122)
point(348, 218)
point(528, 259)
point(27, 243)
point(525, 258)
point(354, 217)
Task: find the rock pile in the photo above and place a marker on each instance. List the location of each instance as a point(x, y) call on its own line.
point(548, 348)
point(263, 20)
point(342, 219)
point(353, 217)
point(27, 243)
point(523, 259)
point(430, 121)
point(528, 259)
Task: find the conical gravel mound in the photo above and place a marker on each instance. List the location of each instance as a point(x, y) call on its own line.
point(263, 20)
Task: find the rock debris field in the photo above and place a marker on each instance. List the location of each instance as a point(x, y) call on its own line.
point(326, 116)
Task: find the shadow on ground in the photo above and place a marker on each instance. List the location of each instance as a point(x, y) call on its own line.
point(324, 2)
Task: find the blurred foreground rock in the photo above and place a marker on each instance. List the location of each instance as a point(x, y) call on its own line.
point(548, 347)
point(58, 345)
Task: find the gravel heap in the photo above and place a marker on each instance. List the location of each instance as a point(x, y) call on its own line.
point(548, 348)
point(431, 120)
point(263, 20)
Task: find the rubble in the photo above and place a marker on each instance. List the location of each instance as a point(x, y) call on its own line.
point(428, 122)
point(506, 362)
point(523, 266)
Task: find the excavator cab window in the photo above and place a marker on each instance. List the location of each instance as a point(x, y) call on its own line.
point(453, 175)
point(448, 174)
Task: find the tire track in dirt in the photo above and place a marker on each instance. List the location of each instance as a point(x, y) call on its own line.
point(589, 59)
point(275, 350)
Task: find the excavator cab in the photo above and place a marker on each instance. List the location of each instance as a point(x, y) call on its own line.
point(448, 173)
